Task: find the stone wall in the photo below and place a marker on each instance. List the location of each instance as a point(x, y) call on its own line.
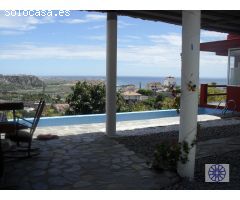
point(144, 144)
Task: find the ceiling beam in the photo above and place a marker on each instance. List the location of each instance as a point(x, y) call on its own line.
point(227, 21)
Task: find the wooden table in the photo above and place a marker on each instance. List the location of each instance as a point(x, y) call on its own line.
point(4, 106)
point(11, 106)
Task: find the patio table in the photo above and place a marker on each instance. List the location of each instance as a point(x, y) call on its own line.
point(7, 126)
point(4, 106)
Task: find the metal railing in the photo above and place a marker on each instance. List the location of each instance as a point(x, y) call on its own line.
point(217, 86)
point(204, 94)
point(226, 108)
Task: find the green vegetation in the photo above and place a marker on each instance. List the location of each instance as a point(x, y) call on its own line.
point(152, 103)
point(176, 93)
point(83, 97)
point(36, 97)
point(146, 92)
point(86, 98)
point(168, 153)
point(213, 90)
point(155, 102)
point(133, 107)
point(168, 103)
point(50, 111)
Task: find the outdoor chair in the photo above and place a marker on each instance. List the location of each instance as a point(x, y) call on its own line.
point(25, 129)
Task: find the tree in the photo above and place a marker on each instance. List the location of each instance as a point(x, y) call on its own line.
point(146, 92)
point(57, 99)
point(139, 106)
point(150, 102)
point(86, 98)
point(122, 106)
point(154, 102)
point(213, 83)
point(168, 103)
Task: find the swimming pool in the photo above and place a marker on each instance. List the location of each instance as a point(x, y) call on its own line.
point(126, 116)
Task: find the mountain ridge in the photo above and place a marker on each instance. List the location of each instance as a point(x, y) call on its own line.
point(12, 82)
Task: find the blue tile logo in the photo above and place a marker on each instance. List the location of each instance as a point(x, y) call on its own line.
point(217, 173)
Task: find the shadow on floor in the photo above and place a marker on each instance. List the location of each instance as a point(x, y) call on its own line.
point(84, 161)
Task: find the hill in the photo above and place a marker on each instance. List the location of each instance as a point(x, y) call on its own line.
point(14, 82)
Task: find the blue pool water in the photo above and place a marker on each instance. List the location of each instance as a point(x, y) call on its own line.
point(127, 116)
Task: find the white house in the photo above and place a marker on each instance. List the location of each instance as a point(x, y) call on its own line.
point(131, 96)
point(169, 81)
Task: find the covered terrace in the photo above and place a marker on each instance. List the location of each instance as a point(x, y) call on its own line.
point(69, 157)
point(192, 22)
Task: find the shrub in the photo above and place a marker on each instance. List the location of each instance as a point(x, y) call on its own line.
point(145, 92)
point(86, 98)
point(168, 154)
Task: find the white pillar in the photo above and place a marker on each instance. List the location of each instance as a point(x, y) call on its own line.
point(111, 75)
point(189, 99)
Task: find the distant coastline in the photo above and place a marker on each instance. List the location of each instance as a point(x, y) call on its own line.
point(135, 80)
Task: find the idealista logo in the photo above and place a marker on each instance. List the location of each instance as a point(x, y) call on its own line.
point(216, 173)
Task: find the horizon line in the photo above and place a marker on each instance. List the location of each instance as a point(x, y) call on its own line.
point(105, 76)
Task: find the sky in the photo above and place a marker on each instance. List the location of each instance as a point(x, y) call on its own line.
point(75, 45)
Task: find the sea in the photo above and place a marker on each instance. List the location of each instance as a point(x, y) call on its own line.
point(136, 80)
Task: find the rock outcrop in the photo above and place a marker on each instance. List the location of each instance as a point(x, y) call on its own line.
point(12, 82)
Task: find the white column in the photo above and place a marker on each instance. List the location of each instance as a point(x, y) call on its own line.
point(189, 99)
point(111, 75)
